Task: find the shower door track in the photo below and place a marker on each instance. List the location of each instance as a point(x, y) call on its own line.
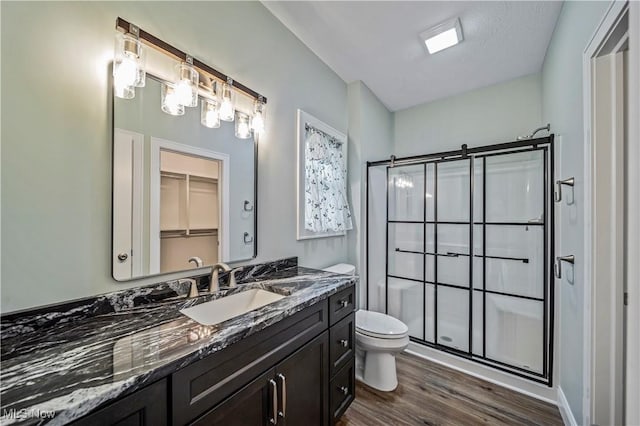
point(544, 144)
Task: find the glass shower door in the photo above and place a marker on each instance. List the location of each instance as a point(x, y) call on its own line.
point(512, 284)
point(404, 293)
point(459, 248)
point(452, 238)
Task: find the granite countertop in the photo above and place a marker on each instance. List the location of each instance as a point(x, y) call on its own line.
point(71, 358)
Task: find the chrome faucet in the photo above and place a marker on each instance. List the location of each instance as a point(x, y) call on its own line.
point(232, 277)
point(214, 285)
point(193, 287)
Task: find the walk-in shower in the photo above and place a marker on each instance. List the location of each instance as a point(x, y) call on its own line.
point(459, 247)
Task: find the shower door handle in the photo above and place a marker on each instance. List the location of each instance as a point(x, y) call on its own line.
point(557, 267)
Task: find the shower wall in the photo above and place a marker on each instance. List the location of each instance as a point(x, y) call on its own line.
point(458, 250)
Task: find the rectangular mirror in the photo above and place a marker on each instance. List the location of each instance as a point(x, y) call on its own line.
point(182, 192)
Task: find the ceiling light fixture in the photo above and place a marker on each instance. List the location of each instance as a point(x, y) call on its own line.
point(442, 36)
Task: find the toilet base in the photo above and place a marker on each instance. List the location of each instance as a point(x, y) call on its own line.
point(380, 371)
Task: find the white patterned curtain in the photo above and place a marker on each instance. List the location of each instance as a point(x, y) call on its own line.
point(325, 189)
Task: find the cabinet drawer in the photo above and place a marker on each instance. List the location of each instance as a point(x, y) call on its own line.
point(342, 390)
point(146, 407)
point(203, 384)
point(341, 304)
point(342, 343)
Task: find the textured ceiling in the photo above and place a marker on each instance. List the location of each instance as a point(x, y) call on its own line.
point(377, 42)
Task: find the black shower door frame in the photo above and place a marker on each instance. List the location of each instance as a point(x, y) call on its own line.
point(474, 156)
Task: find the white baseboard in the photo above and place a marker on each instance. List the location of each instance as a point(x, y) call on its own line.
point(517, 384)
point(565, 410)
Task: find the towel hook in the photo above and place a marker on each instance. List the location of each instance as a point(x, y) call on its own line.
point(247, 238)
point(570, 182)
point(557, 267)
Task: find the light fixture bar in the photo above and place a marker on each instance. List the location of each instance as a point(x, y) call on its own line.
point(153, 41)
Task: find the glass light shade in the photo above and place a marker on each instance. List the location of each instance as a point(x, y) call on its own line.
point(169, 101)
point(257, 121)
point(128, 66)
point(210, 114)
point(187, 85)
point(124, 92)
point(227, 108)
point(243, 126)
point(141, 77)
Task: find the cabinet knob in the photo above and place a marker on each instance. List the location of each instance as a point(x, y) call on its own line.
point(344, 390)
point(123, 256)
point(344, 343)
point(344, 303)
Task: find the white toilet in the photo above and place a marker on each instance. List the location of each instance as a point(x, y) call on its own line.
point(379, 338)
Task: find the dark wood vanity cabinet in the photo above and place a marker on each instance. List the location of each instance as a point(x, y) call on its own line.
point(147, 406)
point(292, 393)
point(299, 371)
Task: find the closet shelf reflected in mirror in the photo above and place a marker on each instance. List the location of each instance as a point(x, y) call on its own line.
point(189, 210)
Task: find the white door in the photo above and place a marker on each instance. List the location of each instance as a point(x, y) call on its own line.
point(128, 161)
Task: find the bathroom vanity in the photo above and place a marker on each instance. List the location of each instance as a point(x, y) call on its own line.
point(290, 362)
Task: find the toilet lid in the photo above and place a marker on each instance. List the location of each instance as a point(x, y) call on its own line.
point(380, 325)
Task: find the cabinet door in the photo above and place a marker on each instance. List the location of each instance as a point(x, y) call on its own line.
point(146, 407)
point(303, 383)
point(253, 405)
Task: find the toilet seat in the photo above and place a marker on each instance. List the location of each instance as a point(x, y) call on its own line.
point(380, 326)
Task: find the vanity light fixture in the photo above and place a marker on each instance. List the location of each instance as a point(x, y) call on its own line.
point(227, 109)
point(187, 85)
point(170, 102)
point(210, 113)
point(442, 36)
point(243, 125)
point(128, 64)
point(129, 73)
point(257, 121)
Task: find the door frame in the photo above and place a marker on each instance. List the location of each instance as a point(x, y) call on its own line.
point(632, 411)
point(128, 201)
point(609, 349)
point(158, 144)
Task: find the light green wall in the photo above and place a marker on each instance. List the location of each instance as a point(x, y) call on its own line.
point(56, 132)
point(370, 139)
point(562, 105)
point(489, 115)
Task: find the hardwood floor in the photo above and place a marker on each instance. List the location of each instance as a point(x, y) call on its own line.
point(431, 394)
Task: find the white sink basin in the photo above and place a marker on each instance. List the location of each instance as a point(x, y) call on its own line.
point(219, 310)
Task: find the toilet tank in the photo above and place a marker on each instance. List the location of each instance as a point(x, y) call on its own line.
point(341, 268)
